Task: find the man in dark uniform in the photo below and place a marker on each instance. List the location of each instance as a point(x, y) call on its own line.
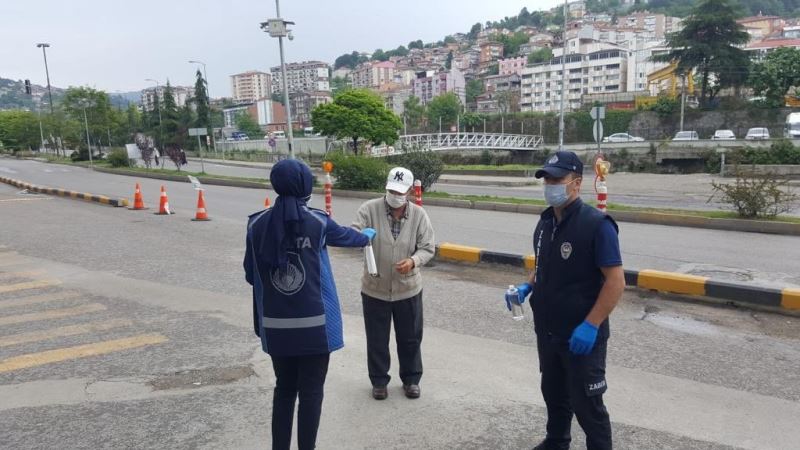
point(577, 282)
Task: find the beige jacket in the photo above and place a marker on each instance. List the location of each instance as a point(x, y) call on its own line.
point(415, 241)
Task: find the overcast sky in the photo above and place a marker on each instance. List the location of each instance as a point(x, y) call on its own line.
point(115, 45)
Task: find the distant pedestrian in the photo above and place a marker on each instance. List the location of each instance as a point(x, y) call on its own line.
point(296, 311)
point(405, 242)
point(576, 283)
point(184, 162)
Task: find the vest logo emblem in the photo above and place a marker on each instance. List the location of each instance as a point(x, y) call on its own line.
point(291, 279)
point(566, 250)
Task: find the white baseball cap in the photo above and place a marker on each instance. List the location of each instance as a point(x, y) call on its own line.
point(400, 179)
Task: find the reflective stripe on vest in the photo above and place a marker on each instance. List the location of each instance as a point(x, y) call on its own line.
point(299, 322)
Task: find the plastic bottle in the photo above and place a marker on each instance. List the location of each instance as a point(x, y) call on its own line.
point(512, 298)
point(369, 256)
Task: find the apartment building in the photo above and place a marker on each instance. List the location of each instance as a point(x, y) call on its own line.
point(181, 94)
point(373, 74)
point(591, 67)
point(250, 86)
point(430, 84)
point(511, 66)
point(311, 76)
point(302, 103)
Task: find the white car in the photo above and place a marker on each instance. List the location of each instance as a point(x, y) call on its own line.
point(723, 135)
point(686, 136)
point(757, 134)
point(622, 137)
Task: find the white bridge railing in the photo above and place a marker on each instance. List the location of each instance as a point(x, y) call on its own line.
point(457, 141)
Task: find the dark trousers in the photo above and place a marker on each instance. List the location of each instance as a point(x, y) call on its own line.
point(303, 376)
point(407, 316)
point(574, 384)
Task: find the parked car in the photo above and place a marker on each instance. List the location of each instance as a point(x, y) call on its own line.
point(723, 135)
point(237, 136)
point(686, 136)
point(756, 134)
point(622, 137)
point(792, 127)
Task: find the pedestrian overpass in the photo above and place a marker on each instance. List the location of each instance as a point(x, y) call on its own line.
point(460, 141)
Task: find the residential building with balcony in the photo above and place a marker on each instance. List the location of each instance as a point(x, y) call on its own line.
point(311, 76)
point(430, 84)
point(181, 94)
point(373, 74)
point(250, 86)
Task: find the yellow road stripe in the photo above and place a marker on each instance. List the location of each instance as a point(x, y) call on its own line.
point(28, 285)
point(52, 314)
point(80, 351)
point(71, 330)
point(791, 298)
point(35, 299)
point(24, 199)
point(676, 283)
point(27, 274)
point(459, 252)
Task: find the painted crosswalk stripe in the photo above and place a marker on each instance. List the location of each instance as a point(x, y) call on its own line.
point(38, 284)
point(28, 274)
point(70, 330)
point(80, 351)
point(52, 314)
point(36, 299)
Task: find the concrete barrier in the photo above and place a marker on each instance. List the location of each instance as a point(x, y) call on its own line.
point(100, 199)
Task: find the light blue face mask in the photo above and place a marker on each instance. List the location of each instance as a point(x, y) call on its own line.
point(555, 194)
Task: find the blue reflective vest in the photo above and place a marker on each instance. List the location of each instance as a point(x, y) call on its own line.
point(296, 310)
point(567, 280)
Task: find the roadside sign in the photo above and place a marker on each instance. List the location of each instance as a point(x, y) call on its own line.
point(597, 131)
point(598, 112)
point(197, 132)
point(195, 183)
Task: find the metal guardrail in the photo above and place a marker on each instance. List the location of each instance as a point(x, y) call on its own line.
point(457, 141)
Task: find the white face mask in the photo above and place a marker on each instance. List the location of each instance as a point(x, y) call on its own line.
point(395, 201)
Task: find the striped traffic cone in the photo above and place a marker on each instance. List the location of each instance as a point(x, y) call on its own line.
point(201, 215)
point(163, 206)
point(138, 200)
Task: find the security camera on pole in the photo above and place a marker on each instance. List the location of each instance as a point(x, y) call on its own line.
point(277, 28)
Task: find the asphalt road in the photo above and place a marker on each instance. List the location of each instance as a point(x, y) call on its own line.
point(747, 257)
point(123, 329)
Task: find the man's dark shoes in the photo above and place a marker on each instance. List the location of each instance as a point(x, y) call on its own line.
point(545, 445)
point(411, 390)
point(379, 392)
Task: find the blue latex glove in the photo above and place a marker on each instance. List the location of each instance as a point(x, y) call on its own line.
point(369, 233)
point(523, 290)
point(582, 340)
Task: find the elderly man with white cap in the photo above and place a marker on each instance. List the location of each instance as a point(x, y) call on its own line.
point(403, 244)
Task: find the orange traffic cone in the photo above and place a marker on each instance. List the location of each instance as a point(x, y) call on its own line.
point(138, 201)
point(266, 202)
point(201, 215)
point(163, 207)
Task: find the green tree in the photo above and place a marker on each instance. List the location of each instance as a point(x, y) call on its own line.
point(449, 39)
point(170, 119)
point(379, 55)
point(779, 73)
point(413, 112)
point(357, 114)
point(201, 102)
point(416, 44)
point(98, 111)
point(473, 32)
point(247, 125)
point(474, 89)
point(512, 43)
point(447, 107)
point(19, 130)
point(350, 60)
point(339, 84)
point(448, 64)
point(539, 56)
point(708, 43)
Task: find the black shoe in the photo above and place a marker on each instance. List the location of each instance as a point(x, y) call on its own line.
point(411, 390)
point(379, 392)
point(544, 445)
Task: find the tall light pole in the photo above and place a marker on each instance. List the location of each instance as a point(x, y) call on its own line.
point(277, 28)
point(44, 47)
point(208, 95)
point(84, 104)
point(160, 127)
point(563, 81)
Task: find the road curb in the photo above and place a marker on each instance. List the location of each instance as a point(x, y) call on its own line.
point(184, 178)
point(99, 199)
point(684, 285)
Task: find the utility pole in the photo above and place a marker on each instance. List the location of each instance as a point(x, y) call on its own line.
point(85, 103)
point(44, 46)
point(683, 98)
point(563, 80)
point(277, 28)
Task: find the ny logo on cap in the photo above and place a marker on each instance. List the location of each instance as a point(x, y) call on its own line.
point(553, 160)
point(398, 176)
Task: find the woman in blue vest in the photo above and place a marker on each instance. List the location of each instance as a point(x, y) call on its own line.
point(295, 307)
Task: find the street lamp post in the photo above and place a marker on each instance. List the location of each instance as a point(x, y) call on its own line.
point(44, 46)
point(84, 104)
point(563, 80)
point(208, 95)
point(277, 28)
point(160, 127)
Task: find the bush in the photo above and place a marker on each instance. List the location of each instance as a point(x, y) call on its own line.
point(80, 155)
point(755, 196)
point(359, 172)
point(119, 158)
point(425, 165)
